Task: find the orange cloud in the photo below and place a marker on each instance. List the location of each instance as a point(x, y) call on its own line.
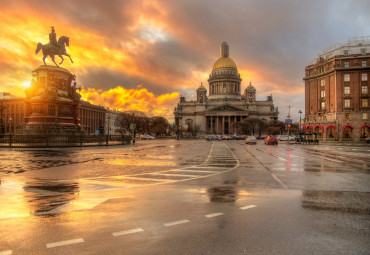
point(139, 99)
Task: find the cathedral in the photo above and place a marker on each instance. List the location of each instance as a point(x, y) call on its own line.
point(224, 106)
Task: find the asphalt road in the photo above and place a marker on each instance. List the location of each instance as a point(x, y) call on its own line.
point(186, 197)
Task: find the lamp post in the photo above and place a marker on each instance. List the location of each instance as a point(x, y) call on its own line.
point(300, 112)
point(10, 125)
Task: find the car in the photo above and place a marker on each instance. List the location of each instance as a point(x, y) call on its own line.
point(283, 138)
point(251, 140)
point(210, 137)
point(367, 139)
point(271, 139)
point(261, 137)
point(146, 137)
point(292, 138)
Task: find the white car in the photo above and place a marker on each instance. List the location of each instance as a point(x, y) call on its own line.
point(283, 138)
point(251, 140)
point(146, 137)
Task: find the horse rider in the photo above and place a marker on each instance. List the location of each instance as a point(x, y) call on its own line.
point(53, 38)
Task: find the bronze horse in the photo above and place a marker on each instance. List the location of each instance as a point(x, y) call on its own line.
point(52, 50)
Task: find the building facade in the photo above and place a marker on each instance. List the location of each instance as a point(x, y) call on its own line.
point(225, 106)
point(113, 122)
point(92, 118)
point(12, 113)
point(337, 92)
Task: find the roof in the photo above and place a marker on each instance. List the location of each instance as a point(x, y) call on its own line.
point(354, 46)
point(224, 62)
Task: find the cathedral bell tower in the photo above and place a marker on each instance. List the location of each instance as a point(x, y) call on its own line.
point(250, 93)
point(201, 94)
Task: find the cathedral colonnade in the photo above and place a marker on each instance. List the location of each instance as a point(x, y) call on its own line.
point(215, 124)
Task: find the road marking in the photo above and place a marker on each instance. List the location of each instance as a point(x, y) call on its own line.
point(126, 232)
point(73, 241)
point(247, 207)
point(175, 223)
point(259, 157)
point(195, 171)
point(174, 175)
point(354, 149)
point(9, 252)
point(282, 158)
point(340, 148)
point(214, 214)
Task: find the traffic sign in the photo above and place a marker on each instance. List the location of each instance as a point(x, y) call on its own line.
point(288, 121)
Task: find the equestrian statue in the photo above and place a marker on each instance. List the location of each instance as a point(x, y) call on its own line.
point(54, 47)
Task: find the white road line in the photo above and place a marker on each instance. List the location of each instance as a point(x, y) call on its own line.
point(340, 148)
point(195, 171)
point(247, 207)
point(175, 223)
point(282, 159)
point(259, 157)
point(9, 252)
point(277, 179)
point(174, 175)
point(214, 214)
point(73, 241)
point(354, 149)
point(130, 231)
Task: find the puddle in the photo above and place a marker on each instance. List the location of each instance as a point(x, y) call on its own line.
point(339, 201)
point(222, 194)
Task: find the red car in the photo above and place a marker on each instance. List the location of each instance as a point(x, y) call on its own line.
point(271, 139)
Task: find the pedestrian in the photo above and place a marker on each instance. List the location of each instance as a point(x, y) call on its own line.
point(133, 141)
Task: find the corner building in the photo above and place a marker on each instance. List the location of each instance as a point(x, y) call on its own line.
point(218, 112)
point(337, 92)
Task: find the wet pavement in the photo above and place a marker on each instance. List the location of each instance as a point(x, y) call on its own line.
point(186, 197)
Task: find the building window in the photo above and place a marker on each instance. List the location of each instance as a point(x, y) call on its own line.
point(322, 82)
point(322, 93)
point(346, 64)
point(364, 102)
point(345, 52)
point(365, 116)
point(363, 63)
point(346, 90)
point(348, 116)
point(346, 77)
point(363, 51)
point(364, 77)
point(322, 105)
point(364, 90)
point(347, 103)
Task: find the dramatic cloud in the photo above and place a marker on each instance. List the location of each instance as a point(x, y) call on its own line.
point(139, 99)
point(170, 46)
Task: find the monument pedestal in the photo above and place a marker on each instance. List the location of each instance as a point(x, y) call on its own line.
point(52, 103)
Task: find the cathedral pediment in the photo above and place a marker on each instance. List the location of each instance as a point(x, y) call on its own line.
point(226, 108)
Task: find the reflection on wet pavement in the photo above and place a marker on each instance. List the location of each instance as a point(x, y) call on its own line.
point(47, 196)
point(342, 201)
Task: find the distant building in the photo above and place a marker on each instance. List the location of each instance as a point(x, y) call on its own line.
point(113, 122)
point(225, 106)
point(337, 92)
point(92, 117)
point(12, 113)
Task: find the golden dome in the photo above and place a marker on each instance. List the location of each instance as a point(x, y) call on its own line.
point(224, 62)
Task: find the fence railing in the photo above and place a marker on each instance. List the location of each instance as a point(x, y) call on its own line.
point(62, 140)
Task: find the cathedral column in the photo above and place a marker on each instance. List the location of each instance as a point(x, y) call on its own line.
point(230, 125)
point(205, 124)
point(223, 125)
point(217, 125)
point(211, 128)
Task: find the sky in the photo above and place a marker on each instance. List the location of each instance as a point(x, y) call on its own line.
point(142, 55)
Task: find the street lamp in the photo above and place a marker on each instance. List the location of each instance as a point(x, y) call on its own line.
point(300, 112)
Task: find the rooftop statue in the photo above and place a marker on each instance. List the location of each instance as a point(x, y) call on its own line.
point(54, 47)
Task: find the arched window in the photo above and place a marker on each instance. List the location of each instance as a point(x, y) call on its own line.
point(348, 132)
point(364, 131)
point(331, 133)
point(319, 131)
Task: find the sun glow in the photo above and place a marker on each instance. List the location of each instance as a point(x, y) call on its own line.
point(26, 84)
